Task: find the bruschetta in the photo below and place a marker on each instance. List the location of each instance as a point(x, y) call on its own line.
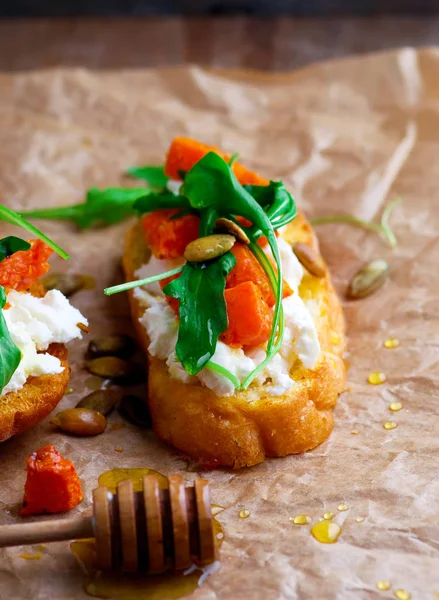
point(236, 312)
point(35, 325)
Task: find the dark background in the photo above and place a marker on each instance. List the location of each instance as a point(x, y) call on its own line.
point(53, 8)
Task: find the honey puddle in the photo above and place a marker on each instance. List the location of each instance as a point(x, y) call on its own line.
point(121, 586)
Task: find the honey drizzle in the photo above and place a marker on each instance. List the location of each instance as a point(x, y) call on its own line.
point(121, 586)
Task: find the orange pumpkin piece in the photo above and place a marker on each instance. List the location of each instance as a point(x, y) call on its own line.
point(248, 268)
point(184, 153)
point(52, 484)
point(20, 270)
point(250, 318)
point(168, 237)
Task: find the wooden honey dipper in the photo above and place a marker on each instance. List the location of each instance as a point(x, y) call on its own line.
point(150, 531)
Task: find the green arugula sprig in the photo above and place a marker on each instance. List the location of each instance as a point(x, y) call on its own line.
point(382, 227)
point(10, 355)
point(123, 287)
point(203, 311)
point(13, 218)
point(211, 190)
point(211, 186)
point(108, 206)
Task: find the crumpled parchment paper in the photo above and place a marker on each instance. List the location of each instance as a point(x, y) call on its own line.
point(346, 136)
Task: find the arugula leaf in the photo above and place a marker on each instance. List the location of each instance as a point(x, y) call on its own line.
point(10, 355)
point(13, 218)
point(111, 205)
point(107, 206)
point(276, 200)
point(160, 201)
point(155, 176)
point(11, 244)
point(203, 312)
point(211, 184)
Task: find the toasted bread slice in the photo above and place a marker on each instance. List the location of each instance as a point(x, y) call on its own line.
point(243, 429)
point(37, 398)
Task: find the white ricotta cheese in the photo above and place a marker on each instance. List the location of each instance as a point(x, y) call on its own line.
point(34, 324)
point(300, 335)
point(291, 267)
point(161, 324)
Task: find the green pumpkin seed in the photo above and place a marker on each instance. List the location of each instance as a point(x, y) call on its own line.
point(67, 283)
point(135, 410)
point(112, 345)
point(209, 247)
point(309, 259)
point(368, 279)
point(110, 367)
point(232, 228)
point(80, 421)
point(102, 401)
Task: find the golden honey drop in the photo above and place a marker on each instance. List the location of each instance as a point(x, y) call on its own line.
point(376, 378)
point(359, 519)
point(28, 556)
point(395, 406)
point(354, 432)
point(391, 343)
point(244, 513)
point(326, 532)
point(390, 425)
point(300, 520)
point(328, 516)
point(402, 595)
point(384, 585)
point(343, 507)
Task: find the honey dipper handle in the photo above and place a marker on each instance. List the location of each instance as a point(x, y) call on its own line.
point(46, 531)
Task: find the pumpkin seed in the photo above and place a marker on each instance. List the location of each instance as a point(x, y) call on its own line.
point(67, 283)
point(368, 279)
point(112, 345)
point(135, 410)
point(102, 401)
point(309, 259)
point(80, 421)
point(111, 367)
point(228, 226)
point(211, 246)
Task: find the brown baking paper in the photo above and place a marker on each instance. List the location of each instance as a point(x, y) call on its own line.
point(345, 136)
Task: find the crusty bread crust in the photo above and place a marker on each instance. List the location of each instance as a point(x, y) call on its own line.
point(241, 430)
point(38, 397)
